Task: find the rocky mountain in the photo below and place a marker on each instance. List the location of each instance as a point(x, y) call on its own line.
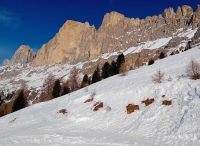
point(23, 55)
point(84, 47)
point(78, 42)
point(81, 45)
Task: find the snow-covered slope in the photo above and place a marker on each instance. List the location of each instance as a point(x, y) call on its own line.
point(153, 125)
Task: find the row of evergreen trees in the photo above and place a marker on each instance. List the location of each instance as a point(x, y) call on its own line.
point(72, 83)
point(106, 71)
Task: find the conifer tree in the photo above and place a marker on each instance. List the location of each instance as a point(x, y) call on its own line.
point(96, 75)
point(56, 89)
point(120, 61)
point(20, 102)
point(105, 70)
point(151, 62)
point(85, 81)
point(113, 68)
point(162, 55)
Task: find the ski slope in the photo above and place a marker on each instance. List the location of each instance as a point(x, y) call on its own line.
point(153, 125)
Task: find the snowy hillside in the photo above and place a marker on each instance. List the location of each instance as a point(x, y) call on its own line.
point(153, 125)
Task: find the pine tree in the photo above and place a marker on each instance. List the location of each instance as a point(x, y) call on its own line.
point(20, 102)
point(113, 68)
point(85, 81)
point(105, 70)
point(120, 61)
point(162, 55)
point(96, 75)
point(56, 89)
point(151, 62)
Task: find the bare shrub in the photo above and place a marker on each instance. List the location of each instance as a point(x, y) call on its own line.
point(88, 100)
point(131, 108)
point(167, 102)
point(132, 67)
point(48, 83)
point(45, 97)
point(123, 69)
point(3, 110)
point(193, 69)
point(158, 77)
point(63, 111)
point(65, 89)
point(148, 101)
point(74, 79)
point(91, 96)
point(97, 106)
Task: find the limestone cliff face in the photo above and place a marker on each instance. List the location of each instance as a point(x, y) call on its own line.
point(23, 55)
point(73, 43)
point(196, 15)
point(78, 42)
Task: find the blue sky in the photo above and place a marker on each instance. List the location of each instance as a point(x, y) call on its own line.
point(35, 22)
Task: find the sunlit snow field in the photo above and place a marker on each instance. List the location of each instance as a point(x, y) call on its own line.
point(154, 125)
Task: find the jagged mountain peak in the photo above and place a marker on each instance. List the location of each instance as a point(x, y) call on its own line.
point(78, 42)
point(197, 9)
point(23, 55)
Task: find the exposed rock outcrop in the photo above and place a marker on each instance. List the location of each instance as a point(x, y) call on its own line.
point(195, 39)
point(187, 11)
point(196, 15)
point(169, 13)
point(78, 42)
point(73, 43)
point(23, 55)
point(5, 62)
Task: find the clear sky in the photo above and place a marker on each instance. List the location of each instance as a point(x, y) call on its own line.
point(35, 22)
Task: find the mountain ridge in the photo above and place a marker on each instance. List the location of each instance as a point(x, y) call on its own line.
point(78, 42)
point(137, 48)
